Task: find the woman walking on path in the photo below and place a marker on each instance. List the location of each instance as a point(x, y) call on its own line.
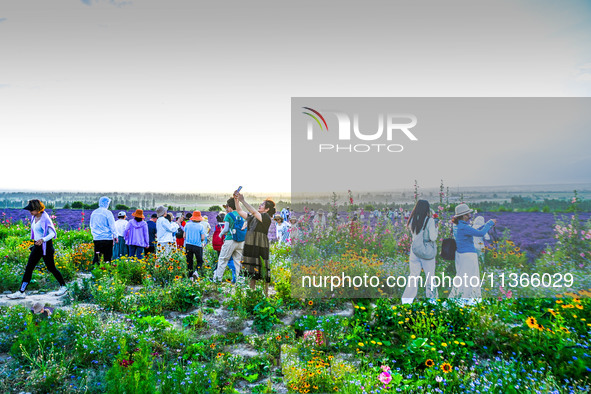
point(466, 256)
point(420, 221)
point(256, 243)
point(42, 232)
point(136, 234)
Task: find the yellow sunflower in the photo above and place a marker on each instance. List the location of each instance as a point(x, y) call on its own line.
point(446, 367)
point(531, 322)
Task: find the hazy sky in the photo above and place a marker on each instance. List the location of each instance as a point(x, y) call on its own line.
point(195, 96)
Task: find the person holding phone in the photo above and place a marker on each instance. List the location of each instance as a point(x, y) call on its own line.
point(42, 233)
point(256, 243)
point(466, 256)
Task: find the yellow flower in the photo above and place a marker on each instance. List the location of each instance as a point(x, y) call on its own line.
point(446, 367)
point(531, 322)
point(444, 344)
point(429, 363)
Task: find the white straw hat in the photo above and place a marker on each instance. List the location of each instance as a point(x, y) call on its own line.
point(462, 209)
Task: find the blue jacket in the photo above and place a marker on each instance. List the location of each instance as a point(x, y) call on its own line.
point(465, 235)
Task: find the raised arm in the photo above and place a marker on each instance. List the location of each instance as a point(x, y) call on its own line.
point(240, 199)
point(480, 232)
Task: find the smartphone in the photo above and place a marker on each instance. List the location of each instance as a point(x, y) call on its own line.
point(239, 188)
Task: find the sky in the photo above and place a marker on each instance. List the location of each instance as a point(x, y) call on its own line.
point(194, 96)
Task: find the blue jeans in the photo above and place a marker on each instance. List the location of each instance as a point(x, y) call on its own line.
point(233, 268)
point(136, 251)
point(119, 249)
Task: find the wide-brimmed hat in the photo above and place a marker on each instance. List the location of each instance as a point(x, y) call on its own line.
point(197, 216)
point(462, 210)
point(38, 308)
point(139, 213)
point(161, 210)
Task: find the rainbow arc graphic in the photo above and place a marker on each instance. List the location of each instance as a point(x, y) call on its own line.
point(313, 116)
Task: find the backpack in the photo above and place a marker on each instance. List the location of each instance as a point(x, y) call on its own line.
point(448, 248)
point(216, 242)
point(180, 233)
point(237, 231)
point(422, 246)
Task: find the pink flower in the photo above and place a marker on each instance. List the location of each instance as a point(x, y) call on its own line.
point(582, 255)
point(385, 368)
point(385, 377)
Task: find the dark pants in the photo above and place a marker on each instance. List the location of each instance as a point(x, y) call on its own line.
point(197, 251)
point(151, 249)
point(105, 248)
point(136, 251)
point(34, 257)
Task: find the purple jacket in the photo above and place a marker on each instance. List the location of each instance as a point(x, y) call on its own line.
point(136, 233)
point(47, 227)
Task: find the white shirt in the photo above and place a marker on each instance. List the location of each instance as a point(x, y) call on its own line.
point(120, 226)
point(165, 230)
point(431, 229)
point(38, 232)
point(206, 227)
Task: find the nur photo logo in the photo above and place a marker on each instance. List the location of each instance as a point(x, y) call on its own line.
point(390, 127)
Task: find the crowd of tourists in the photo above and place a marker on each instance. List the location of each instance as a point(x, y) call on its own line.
point(241, 242)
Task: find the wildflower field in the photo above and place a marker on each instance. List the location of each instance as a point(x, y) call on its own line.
point(141, 326)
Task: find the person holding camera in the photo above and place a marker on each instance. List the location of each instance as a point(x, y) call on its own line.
point(42, 233)
point(256, 243)
point(466, 256)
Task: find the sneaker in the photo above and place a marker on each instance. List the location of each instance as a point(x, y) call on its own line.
point(17, 295)
point(195, 275)
point(63, 290)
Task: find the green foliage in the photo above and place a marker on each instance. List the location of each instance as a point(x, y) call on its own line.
point(195, 321)
point(80, 292)
point(244, 299)
point(265, 316)
point(108, 292)
point(48, 367)
point(214, 208)
point(121, 207)
point(154, 324)
point(213, 303)
point(71, 239)
point(132, 371)
point(131, 270)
